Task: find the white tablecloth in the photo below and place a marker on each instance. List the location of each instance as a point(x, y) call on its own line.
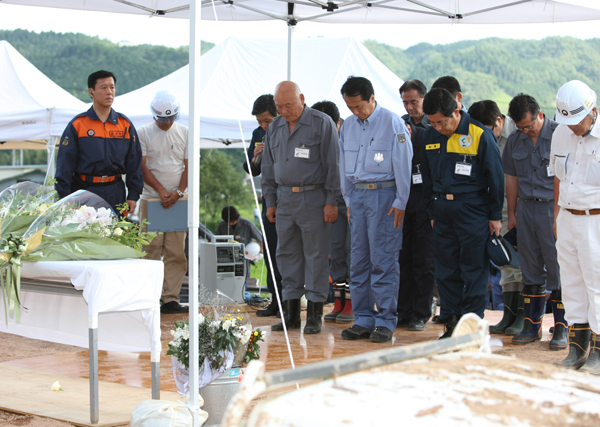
point(124, 293)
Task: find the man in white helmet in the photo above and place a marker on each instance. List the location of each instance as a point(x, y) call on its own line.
point(575, 160)
point(165, 169)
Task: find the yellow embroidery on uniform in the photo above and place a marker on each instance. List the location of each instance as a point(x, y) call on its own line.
point(432, 146)
point(466, 144)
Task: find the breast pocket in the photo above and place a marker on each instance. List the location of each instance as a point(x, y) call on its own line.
point(379, 158)
point(522, 163)
point(178, 153)
point(559, 161)
point(592, 174)
point(307, 150)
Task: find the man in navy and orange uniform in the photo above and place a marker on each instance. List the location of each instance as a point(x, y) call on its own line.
point(463, 189)
point(98, 147)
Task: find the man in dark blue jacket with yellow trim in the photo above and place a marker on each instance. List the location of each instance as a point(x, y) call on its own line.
point(463, 188)
point(98, 147)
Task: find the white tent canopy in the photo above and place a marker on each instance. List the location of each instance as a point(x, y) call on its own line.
point(31, 105)
point(349, 11)
point(228, 94)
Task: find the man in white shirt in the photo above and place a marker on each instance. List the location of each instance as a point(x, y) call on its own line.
point(165, 169)
point(575, 160)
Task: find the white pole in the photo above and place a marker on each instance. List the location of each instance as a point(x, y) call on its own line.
point(193, 204)
point(289, 50)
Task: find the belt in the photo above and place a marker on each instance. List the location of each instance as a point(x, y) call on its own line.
point(461, 196)
point(98, 179)
point(539, 200)
point(301, 189)
point(585, 212)
point(374, 185)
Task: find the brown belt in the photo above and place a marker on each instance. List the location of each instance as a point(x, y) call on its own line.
point(587, 212)
point(97, 179)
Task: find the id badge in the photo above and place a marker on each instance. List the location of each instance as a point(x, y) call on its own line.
point(463, 168)
point(550, 173)
point(302, 153)
point(417, 178)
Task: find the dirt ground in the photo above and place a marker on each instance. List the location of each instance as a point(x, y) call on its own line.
point(14, 347)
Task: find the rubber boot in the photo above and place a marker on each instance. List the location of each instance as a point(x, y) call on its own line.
point(314, 314)
point(517, 326)
point(511, 300)
point(579, 343)
point(592, 365)
point(338, 292)
point(450, 325)
point(291, 315)
point(559, 339)
point(534, 299)
point(347, 315)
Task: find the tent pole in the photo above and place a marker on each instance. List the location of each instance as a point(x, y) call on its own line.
point(193, 205)
point(291, 25)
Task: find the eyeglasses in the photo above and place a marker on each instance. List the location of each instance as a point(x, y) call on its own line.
point(441, 124)
point(525, 128)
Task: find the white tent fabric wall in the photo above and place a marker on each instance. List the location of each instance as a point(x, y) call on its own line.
point(321, 66)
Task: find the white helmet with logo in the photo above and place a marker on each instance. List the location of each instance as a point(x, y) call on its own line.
point(252, 251)
point(574, 101)
point(164, 106)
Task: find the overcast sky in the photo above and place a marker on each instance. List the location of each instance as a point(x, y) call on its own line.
point(174, 33)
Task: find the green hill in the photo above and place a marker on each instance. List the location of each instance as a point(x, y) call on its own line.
point(498, 69)
point(67, 59)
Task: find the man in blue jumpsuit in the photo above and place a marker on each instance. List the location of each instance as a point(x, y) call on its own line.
point(375, 165)
point(98, 147)
point(301, 182)
point(530, 197)
point(463, 188)
point(265, 111)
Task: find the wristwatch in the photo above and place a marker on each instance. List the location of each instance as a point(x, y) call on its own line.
point(180, 193)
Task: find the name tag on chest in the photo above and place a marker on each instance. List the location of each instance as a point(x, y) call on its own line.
point(302, 153)
point(463, 169)
point(550, 173)
point(417, 178)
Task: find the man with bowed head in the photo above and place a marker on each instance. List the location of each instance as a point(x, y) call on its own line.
point(301, 184)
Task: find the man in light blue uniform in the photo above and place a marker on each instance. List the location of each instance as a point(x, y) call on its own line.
point(375, 167)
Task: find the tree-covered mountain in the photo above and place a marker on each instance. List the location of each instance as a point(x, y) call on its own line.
point(497, 68)
point(67, 59)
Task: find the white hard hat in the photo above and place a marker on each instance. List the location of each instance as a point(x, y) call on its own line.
point(164, 106)
point(252, 251)
point(574, 101)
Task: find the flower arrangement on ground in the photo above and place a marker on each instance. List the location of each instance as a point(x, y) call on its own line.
point(223, 340)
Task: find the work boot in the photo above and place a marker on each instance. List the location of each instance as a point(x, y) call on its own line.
point(511, 300)
point(559, 339)
point(517, 326)
point(291, 315)
point(450, 325)
point(347, 315)
point(534, 299)
point(314, 314)
point(579, 343)
point(593, 362)
point(338, 293)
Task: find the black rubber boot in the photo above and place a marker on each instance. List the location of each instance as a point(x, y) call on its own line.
point(593, 362)
point(339, 294)
point(511, 300)
point(291, 315)
point(517, 326)
point(314, 314)
point(579, 343)
point(450, 325)
point(534, 299)
point(559, 339)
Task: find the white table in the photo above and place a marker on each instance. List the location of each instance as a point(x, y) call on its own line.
point(126, 292)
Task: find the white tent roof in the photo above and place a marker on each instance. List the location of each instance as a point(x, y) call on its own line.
point(349, 11)
point(31, 105)
point(320, 68)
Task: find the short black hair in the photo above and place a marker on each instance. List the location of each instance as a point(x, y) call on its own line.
point(264, 103)
point(449, 83)
point(329, 108)
point(439, 100)
point(355, 86)
point(414, 84)
point(101, 74)
point(230, 213)
point(486, 112)
point(520, 105)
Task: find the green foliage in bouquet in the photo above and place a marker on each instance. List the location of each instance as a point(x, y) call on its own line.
point(131, 234)
point(253, 351)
